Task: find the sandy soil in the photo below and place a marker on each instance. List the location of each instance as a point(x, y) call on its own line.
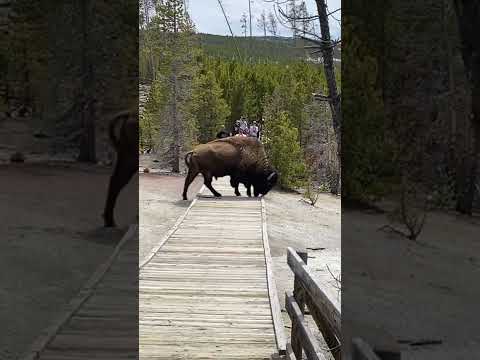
point(160, 206)
point(314, 229)
point(52, 240)
point(406, 291)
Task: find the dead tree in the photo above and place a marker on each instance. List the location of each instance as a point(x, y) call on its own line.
point(324, 45)
point(272, 24)
point(262, 23)
point(176, 147)
point(87, 145)
point(468, 19)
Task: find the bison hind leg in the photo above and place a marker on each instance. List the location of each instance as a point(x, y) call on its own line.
point(208, 183)
point(123, 172)
point(192, 174)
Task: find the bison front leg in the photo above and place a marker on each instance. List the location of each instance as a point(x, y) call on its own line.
point(208, 183)
point(122, 174)
point(249, 189)
point(235, 183)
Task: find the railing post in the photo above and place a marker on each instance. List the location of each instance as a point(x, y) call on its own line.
point(299, 295)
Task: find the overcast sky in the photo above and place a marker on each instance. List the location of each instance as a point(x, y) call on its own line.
point(208, 18)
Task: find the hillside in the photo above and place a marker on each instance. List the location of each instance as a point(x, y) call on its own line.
point(270, 48)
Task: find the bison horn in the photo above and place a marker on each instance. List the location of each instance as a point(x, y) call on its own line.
point(271, 176)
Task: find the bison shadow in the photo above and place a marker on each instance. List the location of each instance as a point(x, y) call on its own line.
point(104, 235)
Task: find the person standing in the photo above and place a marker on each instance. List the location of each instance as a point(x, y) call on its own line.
point(243, 126)
point(253, 131)
point(236, 127)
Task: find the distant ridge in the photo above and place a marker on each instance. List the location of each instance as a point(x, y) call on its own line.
point(258, 48)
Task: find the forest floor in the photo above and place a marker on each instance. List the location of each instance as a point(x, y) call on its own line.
point(290, 222)
point(391, 283)
point(59, 246)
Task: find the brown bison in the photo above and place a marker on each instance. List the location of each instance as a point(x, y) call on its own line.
point(123, 132)
point(242, 158)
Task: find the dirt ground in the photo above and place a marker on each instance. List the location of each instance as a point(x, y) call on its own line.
point(48, 247)
point(394, 282)
point(160, 206)
point(314, 229)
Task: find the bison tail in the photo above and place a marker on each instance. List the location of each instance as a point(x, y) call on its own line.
point(188, 158)
point(113, 125)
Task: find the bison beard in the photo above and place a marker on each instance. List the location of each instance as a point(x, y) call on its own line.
point(242, 158)
point(126, 146)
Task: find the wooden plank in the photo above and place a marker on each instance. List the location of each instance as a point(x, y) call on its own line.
point(272, 289)
point(205, 292)
point(289, 354)
point(319, 299)
point(333, 343)
point(170, 232)
point(362, 351)
point(49, 334)
point(309, 343)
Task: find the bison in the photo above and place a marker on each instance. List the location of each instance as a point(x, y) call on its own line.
point(234, 182)
point(222, 134)
point(123, 133)
point(242, 158)
point(244, 179)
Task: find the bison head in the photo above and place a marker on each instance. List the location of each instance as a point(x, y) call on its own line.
point(265, 183)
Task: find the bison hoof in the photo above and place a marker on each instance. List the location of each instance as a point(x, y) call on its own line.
point(238, 194)
point(217, 195)
point(108, 221)
point(184, 197)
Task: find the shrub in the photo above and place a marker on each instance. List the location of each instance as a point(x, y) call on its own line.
point(285, 152)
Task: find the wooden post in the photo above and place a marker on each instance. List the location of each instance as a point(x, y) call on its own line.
point(299, 295)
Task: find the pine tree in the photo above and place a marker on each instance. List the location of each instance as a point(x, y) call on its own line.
point(174, 36)
point(207, 107)
point(284, 150)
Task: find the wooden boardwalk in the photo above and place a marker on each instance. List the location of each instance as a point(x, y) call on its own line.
point(207, 290)
point(101, 322)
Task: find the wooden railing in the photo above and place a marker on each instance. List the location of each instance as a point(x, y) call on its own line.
point(362, 351)
point(326, 315)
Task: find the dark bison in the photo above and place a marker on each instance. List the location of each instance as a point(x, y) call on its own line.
point(235, 182)
point(244, 179)
point(242, 158)
point(222, 134)
point(123, 132)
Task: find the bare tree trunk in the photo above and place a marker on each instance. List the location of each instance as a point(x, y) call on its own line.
point(87, 146)
point(468, 18)
point(4, 34)
point(334, 98)
point(250, 17)
point(176, 125)
point(175, 117)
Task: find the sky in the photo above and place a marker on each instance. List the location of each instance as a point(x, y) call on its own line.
point(208, 17)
